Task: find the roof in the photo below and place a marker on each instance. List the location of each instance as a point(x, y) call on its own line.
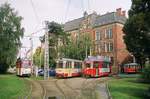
point(100, 20)
point(97, 58)
point(109, 18)
point(131, 64)
point(68, 59)
point(72, 25)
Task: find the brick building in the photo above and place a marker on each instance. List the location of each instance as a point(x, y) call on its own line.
point(106, 32)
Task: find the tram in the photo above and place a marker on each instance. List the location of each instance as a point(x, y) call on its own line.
point(68, 67)
point(131, 68)
point(23, 67)
point(96, 66)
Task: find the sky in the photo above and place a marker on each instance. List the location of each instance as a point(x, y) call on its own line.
point(35, 12)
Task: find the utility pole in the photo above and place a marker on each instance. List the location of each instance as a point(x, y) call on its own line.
point(31, 41)
point(46, 53)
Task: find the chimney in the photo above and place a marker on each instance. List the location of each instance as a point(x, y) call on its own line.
point(124, 13)
point(118, 11)
point(85, 14)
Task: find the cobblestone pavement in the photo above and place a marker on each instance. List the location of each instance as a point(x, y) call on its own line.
point(71, 88)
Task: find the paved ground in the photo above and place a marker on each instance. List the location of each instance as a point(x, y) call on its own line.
point(70, 88)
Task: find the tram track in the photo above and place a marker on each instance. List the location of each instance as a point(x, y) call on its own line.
point(29, 94)
point(44, 91)
point(37, 90)
point(65, 83)
point(60, 89)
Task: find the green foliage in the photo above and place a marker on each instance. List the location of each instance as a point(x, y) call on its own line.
point(10, 35)
point(77, 49)
point(56, 36)
point(146, 73)
point(38, 57)
point(137, 30)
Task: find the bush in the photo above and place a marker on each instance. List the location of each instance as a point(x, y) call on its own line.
point(146, 73)
point(3, 68)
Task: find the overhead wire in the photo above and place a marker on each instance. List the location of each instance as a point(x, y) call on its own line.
point(34, 10)
point(67, 9)
point(82, 5)
point(89, 6)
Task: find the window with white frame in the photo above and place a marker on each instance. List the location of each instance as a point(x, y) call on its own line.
point(108, 33)
point(97, 35)
point(108, 47)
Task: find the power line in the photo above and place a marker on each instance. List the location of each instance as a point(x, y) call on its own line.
point(89, 6)
point(35, 13)
point(67, 9)
point(82, 4)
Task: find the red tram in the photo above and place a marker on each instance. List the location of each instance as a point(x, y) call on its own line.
point(131, 68)
point(23, 67)
point(96, 66)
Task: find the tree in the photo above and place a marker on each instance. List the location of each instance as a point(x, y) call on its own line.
point(38, 57)
point(137, 30)
point(56, 36)
point(10, 35)
point(77, 49)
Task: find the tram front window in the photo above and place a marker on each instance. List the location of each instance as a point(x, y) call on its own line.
point(87, 65)
point(25, 64)
point(60, 65)
point(95, 64)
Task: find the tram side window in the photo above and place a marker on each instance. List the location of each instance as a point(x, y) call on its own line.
point(96, 64)
point(60, 65)
point(77, 65)
point(105, 65)
point(68, 65)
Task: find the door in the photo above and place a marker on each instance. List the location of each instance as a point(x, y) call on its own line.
point(96, 67)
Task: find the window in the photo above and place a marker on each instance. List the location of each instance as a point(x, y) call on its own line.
point(77, 65)
point(87, 65)
point(108, 33)
point(97, 35)
point(68, 65)
point(105, 65)
point(95, 64)
point(60, 65)
point(108, 47)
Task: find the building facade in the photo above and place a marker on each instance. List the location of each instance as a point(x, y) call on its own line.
point(106, 33)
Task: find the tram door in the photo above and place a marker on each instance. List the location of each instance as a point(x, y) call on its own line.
point(96, 65)
point(69, 68)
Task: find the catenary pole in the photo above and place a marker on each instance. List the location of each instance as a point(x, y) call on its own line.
point(46, 53)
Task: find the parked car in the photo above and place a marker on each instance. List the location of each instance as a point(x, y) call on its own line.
point(41, 72)
point(51, 72)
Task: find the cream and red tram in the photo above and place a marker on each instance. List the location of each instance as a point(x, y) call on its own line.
point(96, 66)
point(23, 67)
point(68, 67)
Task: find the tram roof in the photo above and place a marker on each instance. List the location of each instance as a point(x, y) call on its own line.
point(130, 64)
point(68, 59)
point(97, 58)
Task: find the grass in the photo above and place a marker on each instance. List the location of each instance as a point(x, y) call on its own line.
point(13, 87)
point(37, 78)
point(127, 88)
